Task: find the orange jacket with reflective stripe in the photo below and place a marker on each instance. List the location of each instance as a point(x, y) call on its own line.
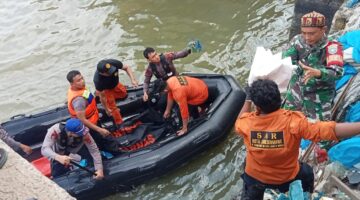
point(91, 111)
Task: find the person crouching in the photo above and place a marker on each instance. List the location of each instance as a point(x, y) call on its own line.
point(61, 141)
point(189, 93)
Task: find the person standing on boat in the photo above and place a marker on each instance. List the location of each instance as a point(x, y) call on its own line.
point(12, 143)
point(188, 92)
point(82, 104)
point(272, 138)
point(62, 142)
point(160, 65)
point(106, 80)
point(312, 86)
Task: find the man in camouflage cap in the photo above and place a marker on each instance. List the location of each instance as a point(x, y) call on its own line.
point(312, 86)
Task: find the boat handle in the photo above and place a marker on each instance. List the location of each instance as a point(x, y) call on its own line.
point(201, 138)
point(17, 116)
point(146, 167)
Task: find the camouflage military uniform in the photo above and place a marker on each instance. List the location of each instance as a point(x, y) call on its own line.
point(315, 98)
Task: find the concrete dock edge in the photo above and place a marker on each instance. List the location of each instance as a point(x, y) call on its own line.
point(20, 180)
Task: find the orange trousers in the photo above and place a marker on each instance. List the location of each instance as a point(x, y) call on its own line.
point(119, 92)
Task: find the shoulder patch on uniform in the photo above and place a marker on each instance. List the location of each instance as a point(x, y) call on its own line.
point(333, 48)
point(334, 54)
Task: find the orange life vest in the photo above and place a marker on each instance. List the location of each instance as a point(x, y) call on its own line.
point(91, 111)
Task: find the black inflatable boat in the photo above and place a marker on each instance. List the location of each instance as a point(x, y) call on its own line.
point(129, 169)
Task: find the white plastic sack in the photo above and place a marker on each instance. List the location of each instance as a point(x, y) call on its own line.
point(268, 66)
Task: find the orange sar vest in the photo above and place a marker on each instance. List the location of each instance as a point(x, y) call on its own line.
point(91, 111)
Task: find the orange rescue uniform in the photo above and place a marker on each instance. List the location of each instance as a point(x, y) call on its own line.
point(91, 111)
point(187, 90)
point(273, 140)
point(118, 92)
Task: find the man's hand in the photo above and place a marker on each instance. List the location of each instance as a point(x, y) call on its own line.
point(65, 160)
point(130, 74)
point(108, 111)
point(167, 114)
point(104, 132)
point(309, 72)
point(26, 149)
point(134, 83)
point(99, 174)
point(194, 46)
point(145, 97)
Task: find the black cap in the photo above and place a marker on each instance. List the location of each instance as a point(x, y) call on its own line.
point(105, 67)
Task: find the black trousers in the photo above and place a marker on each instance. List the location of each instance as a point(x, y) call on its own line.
point(193, 111)
point(254, 189)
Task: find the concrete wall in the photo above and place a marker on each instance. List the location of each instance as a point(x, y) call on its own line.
point(20, 180)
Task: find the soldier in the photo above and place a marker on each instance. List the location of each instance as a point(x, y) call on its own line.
point(312, 86)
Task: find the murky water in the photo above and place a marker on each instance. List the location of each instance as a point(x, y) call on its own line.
point(42, 40)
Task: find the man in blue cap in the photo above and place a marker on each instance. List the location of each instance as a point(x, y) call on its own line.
point(62, 142)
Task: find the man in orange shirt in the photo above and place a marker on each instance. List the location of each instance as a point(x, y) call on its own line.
point(272, 137)
point(185, 91)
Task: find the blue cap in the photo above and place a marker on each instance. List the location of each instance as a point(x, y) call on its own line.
point(75, 126)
